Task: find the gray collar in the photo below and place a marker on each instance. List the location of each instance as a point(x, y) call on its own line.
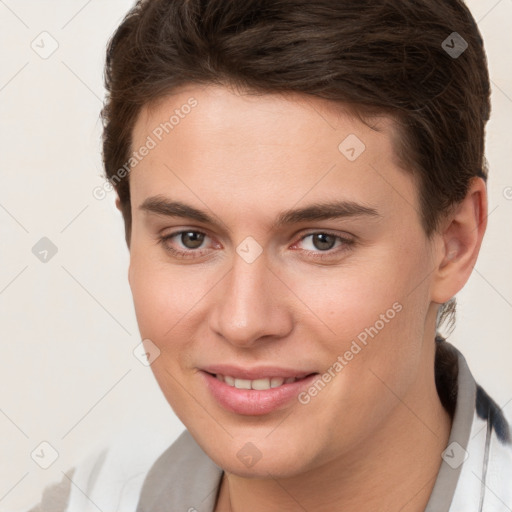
point(183, 478)
point(449, 472)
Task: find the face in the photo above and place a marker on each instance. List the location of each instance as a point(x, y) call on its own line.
point(296, 251)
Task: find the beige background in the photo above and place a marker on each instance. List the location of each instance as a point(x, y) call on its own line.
point(68, 329)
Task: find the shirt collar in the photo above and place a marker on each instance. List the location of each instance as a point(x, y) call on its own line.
point(476, 472)
point(461, 387)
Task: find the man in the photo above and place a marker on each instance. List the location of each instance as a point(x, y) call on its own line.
point(303, 190)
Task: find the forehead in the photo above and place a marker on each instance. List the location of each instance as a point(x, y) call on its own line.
point(221, 109)
point(210, 141)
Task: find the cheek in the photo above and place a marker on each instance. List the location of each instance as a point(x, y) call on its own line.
point(367, 293)
point(163, 294)
point(163, 302)
point(375, 311)
point(154, 300)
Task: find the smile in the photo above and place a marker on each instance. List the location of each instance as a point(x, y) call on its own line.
point(258, 384)
point(256, 396)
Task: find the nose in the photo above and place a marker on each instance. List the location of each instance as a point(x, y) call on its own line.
point(251, 303)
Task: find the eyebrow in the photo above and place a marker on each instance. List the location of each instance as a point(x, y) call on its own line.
point(160, 205)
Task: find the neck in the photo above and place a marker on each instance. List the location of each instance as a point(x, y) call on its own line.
point(394, 470)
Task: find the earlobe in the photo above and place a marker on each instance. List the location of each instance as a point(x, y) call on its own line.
point(461, 238)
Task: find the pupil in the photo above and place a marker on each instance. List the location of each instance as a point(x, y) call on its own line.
point(192, 238)
point(321, 237)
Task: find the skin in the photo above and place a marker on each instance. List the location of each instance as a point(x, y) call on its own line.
point(244, 159)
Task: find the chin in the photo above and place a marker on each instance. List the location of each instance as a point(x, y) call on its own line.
point(260, 458)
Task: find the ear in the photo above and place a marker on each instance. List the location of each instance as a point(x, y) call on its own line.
point(460, 239)
point(118, 203)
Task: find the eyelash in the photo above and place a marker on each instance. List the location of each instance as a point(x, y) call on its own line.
point(191, 253)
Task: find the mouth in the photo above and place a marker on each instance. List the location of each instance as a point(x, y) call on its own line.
point(260, 384)
point(256, 396)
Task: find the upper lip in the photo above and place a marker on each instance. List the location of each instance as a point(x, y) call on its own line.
point(260, 372)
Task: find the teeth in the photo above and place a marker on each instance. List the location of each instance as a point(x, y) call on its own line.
point(258, 384)
point(242, 384)
point(275, 382)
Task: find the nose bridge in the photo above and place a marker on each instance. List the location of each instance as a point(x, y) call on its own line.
point(249, 306)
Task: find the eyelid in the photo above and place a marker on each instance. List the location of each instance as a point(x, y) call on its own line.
point(345, 236)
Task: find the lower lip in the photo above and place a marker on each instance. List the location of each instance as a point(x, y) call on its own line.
point(255, 402)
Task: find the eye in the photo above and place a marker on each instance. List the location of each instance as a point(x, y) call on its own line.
point(190, 239)
point(321, 244)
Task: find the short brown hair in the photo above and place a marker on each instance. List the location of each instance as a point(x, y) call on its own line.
point(386, 56)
